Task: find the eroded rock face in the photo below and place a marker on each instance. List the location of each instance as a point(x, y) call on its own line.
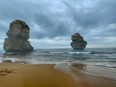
point(78, 43)
point(18, 35)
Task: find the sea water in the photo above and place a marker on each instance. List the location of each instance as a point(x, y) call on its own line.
point(98, 61)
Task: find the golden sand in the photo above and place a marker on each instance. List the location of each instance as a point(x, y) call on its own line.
point(44, 75)
point(34, 76)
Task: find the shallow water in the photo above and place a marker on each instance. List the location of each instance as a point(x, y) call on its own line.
point(102, 59)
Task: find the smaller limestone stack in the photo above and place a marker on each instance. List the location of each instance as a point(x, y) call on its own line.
point(18, 35)
point(78, 43)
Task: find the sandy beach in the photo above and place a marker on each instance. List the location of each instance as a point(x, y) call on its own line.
point(33, 76)
point(44, 75)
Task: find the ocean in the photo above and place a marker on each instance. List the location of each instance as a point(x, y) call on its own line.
point(98, 61)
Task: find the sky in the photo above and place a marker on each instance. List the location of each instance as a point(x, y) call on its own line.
point(52, 22)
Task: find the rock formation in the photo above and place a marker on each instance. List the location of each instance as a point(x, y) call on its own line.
point(78, 43)
point(18, 35)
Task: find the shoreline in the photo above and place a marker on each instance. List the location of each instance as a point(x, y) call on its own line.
point(89, 79)
point(49, 75)
point(84, 79)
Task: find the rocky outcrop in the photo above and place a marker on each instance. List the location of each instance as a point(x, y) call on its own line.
point(78, 43)
point(18, 35)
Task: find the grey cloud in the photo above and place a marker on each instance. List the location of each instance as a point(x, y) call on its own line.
point(44, 21)
point(83, 17)
point(51, 25)
point(108, 33)
point(63, 18)
point(99, 16)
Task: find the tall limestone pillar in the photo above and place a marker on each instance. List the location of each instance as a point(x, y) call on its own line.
point(78, 43)
point(18, 35)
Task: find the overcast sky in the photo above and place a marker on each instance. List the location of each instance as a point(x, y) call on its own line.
point(52, 22)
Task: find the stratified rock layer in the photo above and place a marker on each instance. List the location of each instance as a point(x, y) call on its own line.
point(18, 35)
point(78, 43)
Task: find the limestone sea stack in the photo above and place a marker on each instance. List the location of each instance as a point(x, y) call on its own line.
point(78, 43)
point(18, 35)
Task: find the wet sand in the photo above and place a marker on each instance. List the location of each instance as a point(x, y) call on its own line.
point(44, 75)
point(25, 75)
point(86, 80)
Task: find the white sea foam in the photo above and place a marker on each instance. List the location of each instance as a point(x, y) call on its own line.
point(79, 52)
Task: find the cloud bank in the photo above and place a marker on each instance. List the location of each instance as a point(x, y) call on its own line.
point(53, 19)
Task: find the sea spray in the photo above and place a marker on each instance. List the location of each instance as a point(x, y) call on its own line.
point(65, 67)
